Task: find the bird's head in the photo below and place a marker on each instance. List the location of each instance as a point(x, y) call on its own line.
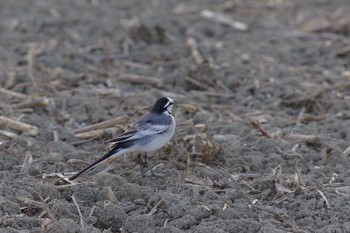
point(163, 105)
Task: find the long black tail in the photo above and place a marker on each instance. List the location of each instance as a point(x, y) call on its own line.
point(94, 164)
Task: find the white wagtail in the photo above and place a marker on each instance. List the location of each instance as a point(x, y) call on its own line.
point(150, 133)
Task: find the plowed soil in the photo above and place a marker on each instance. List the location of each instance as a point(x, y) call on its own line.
point(262, 93)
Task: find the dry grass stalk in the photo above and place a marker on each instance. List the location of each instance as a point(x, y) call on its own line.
point(293, 154)
point(195, 182)
point(192, 44)
point(156, 207)
point(80, 215)
point(256, 125)
point(310, 35)
point(344, 190)
point(344, 51)
point(44, 201)
point(93, 133)
point(324, 198)
point(61, 176)
point(304, 137)
point(55, 72)
point(203, 146)
point(10, 82)
point(136, 65)
point(197, 83)
point(28, 159)
point(212, 94)
point(139, 79)
point(9, 134)
point(13, 93)
point(102, 125)
point(106, 54)
point(56, 136)
point(346, 152)
point(32, 203)
point(32, 103)
point(20, 126)
point(31, 64)
point(111, 197)
point(224, 19)
point(183, 8)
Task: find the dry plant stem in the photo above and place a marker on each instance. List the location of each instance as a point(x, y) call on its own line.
point(281, 199)
point(101, 125)
point(139, 79)
point(195, 182)
point(92, 211)
point(122, 230)
point(289, 154)
point(27, 162)
point(31, 57)
point(224, 19)
point(192, 44)
point(258, 127)
point(197, 83)
point(20, 126)
point(61, 176)
point(92, 134)
point(47, 209)
point(156, 207)
point(223, 86)
point(211, 94)
point(32, 103)
point(106, 53)
point(346, 152)
point(80, 215)
point(324, 198)
point(10, 134)
point(56, 136)
point(11, 79)
point(32, 203)
point(310, 35)
point(133, 64)
point(304, 137)
point(344, 51)
point(13, 93)
point(111, 197)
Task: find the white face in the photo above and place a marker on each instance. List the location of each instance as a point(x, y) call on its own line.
point(169, 106)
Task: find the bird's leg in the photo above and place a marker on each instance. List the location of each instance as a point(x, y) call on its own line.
point(145, 160)
point(142, 162)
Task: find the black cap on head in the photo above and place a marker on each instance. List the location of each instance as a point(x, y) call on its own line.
point(162, 104)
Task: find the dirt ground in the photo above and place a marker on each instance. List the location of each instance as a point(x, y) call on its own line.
point(262, 139)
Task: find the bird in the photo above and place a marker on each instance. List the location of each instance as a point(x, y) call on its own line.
point(150, 133)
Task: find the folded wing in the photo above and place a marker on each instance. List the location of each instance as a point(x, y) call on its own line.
point(142, 128)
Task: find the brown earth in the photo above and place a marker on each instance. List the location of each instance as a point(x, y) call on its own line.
point(263, 115)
